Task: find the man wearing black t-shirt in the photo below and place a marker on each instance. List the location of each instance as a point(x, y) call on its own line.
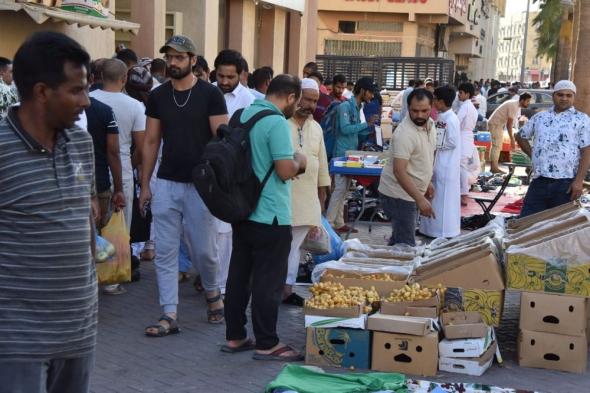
point(185, 113)
point(101, 124)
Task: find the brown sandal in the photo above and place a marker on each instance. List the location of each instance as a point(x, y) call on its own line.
point(212, 314)
point(163, 330)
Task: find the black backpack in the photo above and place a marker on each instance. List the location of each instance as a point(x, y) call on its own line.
point(224, 177)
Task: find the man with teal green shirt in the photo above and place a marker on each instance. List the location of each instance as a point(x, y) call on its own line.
point(348, 129)
point(261, 245)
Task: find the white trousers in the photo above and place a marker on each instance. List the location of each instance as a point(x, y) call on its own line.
point(335, 213)
point(299, 234)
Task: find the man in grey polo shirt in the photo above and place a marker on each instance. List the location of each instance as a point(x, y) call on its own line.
point(48, 293)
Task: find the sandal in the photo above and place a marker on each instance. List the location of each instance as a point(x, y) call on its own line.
point(294, 300)
point(197, 284)
point(212, 314)
point(276, 355)
point(163, 330)
point(248, 345)
point(149, 251)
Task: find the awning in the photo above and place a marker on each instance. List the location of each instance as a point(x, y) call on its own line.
point(42, 14)
point(295, 5)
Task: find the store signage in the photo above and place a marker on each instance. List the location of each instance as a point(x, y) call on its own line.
point(458, 7)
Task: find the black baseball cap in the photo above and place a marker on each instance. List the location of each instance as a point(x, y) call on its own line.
point(365, 83)
point(179, 43)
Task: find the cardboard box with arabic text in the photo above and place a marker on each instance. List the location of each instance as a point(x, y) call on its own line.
point(336, 347)
point(405, 354)
point(552, 351)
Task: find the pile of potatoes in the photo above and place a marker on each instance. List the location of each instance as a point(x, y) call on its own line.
point(411, 293)
point(327, 295)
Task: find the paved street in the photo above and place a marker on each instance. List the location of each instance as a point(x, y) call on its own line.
point(127, 361)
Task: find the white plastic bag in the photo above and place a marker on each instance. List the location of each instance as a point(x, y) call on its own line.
point(317, 241)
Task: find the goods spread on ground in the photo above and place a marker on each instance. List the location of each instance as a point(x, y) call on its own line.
point(429, 308)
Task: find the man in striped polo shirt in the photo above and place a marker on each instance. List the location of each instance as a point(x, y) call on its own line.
point(48, 292)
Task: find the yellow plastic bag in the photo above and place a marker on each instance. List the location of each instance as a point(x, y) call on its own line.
point(117, 269)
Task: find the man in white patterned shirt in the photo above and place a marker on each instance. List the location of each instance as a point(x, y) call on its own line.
point(560, 151)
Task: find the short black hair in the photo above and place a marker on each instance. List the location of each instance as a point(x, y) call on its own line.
point(312, 65)
point(158, 65)
point(230, 57)
point(4, 63)
point(419, 95)
point(467, 88)
point(350, 83)
point(418, 82)
point(201, 64)
point(96, 69)
point(339, 79)
point(513, 89)
point(446, 94)
point(269, 69)
point(127, 56)
point(260, 76)
point(317, 74)
point(245, 66)
point(412, 83)
point(283, 85)
point(213, 76)
point(41, 59)
point(525, 96)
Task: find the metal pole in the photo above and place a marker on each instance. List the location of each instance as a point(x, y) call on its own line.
point(524, 41)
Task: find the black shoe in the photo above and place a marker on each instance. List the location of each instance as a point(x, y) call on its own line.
point(135, 275)
point(294, 300)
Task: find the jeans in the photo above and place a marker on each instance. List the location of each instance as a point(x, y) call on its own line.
point(258, 268)
point(403, 220)
point(178, 208)
point(545, 193)
point(47, 376)
point(335, 213)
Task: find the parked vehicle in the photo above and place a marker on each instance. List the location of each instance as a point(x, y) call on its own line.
point(541, 101)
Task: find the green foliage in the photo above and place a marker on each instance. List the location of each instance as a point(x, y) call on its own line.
point(548, 24)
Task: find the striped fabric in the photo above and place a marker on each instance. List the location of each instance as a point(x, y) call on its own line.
point(48, 291)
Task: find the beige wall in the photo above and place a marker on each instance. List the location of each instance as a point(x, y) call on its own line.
point(151, 15)
point(15, 27)
point(302, 38)
point(429, 7)
point(242, 28)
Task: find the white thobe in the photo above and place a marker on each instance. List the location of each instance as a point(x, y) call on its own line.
point(446, 180)
point(467, 121)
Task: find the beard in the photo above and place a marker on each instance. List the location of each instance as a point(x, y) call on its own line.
point(304, 112)
point(289, 111)
point(179, 73)
point(419, 122)
point(226, 88)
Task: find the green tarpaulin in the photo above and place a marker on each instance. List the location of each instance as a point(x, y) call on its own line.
point(305, 380)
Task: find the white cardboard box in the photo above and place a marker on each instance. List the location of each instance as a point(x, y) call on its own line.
point(466, 348)
point(336, 322)
point(469, 366)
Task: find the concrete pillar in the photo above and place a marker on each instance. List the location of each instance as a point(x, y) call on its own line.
point(410, 39)
point(302, 46)
point(271, 39)
point(242, 27)
point(151, 15)
point(210, 13)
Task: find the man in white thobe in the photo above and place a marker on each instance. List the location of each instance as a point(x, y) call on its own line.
point(467, 120)
point(447, 165)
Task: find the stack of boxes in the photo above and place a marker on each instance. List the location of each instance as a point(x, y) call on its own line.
point(547, 258)
point(469, 346)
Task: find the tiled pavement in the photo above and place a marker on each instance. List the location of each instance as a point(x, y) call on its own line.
point(127, 361)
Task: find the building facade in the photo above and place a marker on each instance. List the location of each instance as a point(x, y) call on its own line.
point(268, 33)
point(509, 60)
point(460, 30)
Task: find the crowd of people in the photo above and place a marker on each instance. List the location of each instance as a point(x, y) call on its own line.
point(82, 139)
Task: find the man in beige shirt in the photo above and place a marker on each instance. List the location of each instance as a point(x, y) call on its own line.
point(308, 191)
point(504, 115)
point(405, 184)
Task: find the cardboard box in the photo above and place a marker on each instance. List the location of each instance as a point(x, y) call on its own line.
point(338, 348)
point(415, 326)
point(463, 325)
point(557, 265)
point(552, 351)
point(417, 355)
point(383, 288)
point(475, 267)
point(429, 308)
point(557, 314)
point(469, 366)
point(350, 317)
point(488, 303)
point(466, 348)
point(520, 224)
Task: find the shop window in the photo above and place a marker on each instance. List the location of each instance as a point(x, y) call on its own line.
point(173, 24)
point(348, 27)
